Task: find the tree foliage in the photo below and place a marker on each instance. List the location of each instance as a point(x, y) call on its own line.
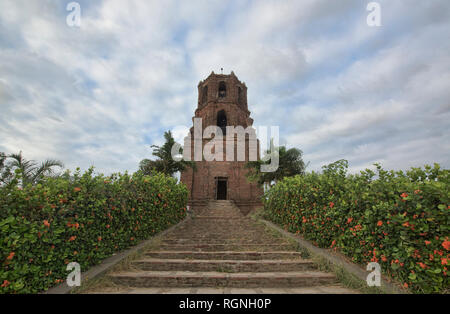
point(290, 164)
point(81, 218)
point(397, 219)
point(29, 171)
point(165, 162)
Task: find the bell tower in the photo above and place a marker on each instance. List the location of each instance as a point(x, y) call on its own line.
point(220, 90)
point(222, 103)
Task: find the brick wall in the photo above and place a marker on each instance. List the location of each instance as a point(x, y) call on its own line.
point(202, 183)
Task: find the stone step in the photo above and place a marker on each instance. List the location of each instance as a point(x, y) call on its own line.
point(202, 265)
point(224, 255)
point(237, 241)
point(207, 223)
point(217, 217)
point(220, 279)
point(226, 247)
point(215, 231)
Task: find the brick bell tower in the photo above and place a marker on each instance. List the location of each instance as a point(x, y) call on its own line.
point(222, 102)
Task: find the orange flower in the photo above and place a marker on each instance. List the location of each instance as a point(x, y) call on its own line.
point(427, 242)
point(379, 223)
point(132, 238)
point(383, 258)
point(5, 283)
point(446, 245)
point(405, 285)
point(404, 195)
point(422, 265)
point(46, 223)
point(77, 189)
point(444, 261)
point(99, 238)
point(72, 238)
point(11, 255)
point(331, 204)
point(349, 220)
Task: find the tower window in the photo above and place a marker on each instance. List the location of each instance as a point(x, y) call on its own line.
point(205, 94)
point(222, 90)
point(222, 121)
point(239, 95)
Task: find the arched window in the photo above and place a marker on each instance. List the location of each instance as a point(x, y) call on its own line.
point(222, 90)
point(205, 94)
point(239, 95)
point(222, 121)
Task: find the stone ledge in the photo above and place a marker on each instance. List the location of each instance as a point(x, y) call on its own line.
point(225, 255)
point(98, 270)
point(178, 279)
point(336, 259)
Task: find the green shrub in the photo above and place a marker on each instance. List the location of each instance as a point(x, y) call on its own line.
point(400, 220)
point(83, 219)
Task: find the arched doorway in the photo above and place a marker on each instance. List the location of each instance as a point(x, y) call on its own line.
point(222, 121)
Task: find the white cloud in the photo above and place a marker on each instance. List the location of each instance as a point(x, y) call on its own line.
point(102, 93)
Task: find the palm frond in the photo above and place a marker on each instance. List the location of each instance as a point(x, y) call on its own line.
point(46, 168)
point(31, 172)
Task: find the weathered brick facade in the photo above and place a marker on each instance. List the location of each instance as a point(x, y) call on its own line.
point(222, 99)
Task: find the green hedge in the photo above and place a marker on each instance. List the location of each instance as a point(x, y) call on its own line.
point(400, 220)
point(80, 218)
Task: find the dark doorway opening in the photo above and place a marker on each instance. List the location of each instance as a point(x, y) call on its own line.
point(222, 121)
point(221, 188)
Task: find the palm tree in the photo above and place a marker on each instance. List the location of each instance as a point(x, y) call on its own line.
point(165, 162)
point(290, 164)
point(6, 175)
point(30, 170)
point(148, 166)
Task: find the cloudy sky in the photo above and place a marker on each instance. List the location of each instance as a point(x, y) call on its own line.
point(102, 93)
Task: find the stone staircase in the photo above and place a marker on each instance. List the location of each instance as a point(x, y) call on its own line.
point(220, 250)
